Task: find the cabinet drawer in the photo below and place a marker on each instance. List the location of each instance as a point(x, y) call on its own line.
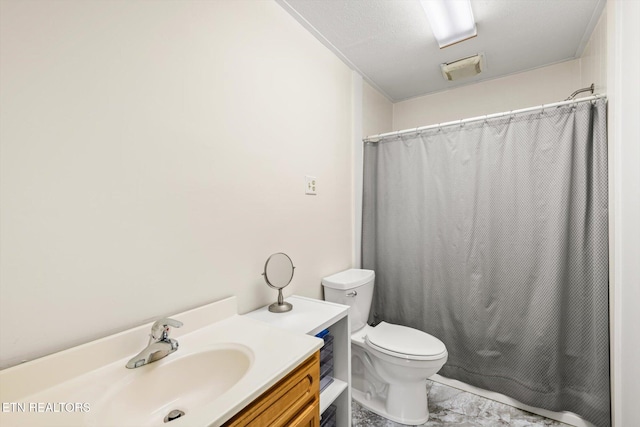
point(279, 406)
point(308, 418)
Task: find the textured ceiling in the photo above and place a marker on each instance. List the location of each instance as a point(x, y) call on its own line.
point(391, 44)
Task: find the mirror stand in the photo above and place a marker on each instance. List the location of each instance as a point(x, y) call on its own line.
point(281, 306)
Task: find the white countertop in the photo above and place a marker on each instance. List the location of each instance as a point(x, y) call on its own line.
point(308, 315)
point(86, 374)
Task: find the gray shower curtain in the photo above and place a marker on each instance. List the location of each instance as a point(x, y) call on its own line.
point(493, 237)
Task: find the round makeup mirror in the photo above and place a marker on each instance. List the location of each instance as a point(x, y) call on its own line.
point(278, 272)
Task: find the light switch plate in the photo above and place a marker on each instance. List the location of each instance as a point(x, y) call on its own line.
point(310, 185)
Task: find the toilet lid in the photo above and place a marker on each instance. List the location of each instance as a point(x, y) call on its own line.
point(405, 342)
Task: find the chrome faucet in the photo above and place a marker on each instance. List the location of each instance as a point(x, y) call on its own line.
point(160, 345)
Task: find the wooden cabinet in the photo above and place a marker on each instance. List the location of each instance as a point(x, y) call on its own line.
point(293, 402)
point(309, 418)
point(311, 316)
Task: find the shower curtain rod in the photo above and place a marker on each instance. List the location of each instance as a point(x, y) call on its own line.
point(380, 137)
point(584, 89)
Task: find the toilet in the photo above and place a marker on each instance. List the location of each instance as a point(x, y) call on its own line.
point(390, 363)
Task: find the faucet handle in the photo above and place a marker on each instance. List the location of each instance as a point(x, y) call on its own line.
point(161, 328)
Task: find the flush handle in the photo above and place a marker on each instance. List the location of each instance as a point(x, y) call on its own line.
point(352, 294)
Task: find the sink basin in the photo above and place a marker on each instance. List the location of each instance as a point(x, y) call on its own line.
point(149, 393)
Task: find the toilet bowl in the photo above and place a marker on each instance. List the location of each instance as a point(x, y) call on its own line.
point(390, 363)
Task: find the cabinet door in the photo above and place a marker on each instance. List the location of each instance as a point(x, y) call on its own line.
point(308, 418)
point(285, 401)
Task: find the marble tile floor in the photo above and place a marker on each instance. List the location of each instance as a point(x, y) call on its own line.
point(449, 406)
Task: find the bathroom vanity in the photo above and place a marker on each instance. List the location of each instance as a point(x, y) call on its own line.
point(227, 367)
point(311, 316)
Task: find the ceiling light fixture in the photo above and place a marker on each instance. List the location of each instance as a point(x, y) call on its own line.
point(451, 20)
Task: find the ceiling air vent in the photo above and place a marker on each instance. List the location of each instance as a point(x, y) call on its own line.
point(462, 68)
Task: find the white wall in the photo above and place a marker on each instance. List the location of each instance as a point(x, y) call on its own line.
point(540, 86)
point(593, 63)
point(610, 61)
point(153, 156)
point(377, 112)
point(357, 173)
point(623, 39)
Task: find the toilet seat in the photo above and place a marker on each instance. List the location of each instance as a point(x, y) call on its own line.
point(404, 342)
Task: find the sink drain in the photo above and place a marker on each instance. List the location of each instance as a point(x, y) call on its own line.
point(176, 413)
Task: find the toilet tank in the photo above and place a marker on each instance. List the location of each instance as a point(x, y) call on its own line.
point(354, 288)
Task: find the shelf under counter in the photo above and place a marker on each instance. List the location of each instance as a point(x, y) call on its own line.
point(331, 393)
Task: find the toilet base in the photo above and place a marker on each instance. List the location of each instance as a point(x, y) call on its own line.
point(377, 405)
